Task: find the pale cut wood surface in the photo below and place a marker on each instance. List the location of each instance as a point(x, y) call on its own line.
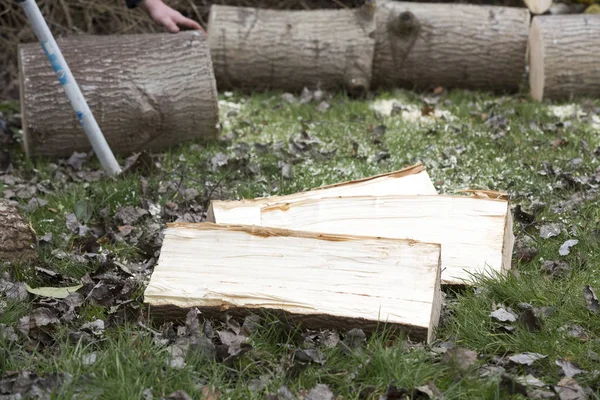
point(289, 49)
point(17, 238)
point(538, 6)
point(361, 279)
point(425, 45)
point(564, 56)
point(411, 180)
point(146, 91)
point(475, 233)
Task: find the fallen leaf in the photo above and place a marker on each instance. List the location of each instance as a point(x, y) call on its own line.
point(55, 292)
point(306, 355)
point(574, 331)
point(89, 359)
point(179, 395)
point(568, 389)
point(323, 106)
point(531, 322)
point(556, 268)
point(591, 301)
point(284, 393)
point(430, 390)
point(210, 393)
point(129, 215)
point(541, 394)
point(460, 357)
point(395, 393)
point(512, 385)
point(16, 291)
point(531, 381)
point(569, 369)
point(565, 248)
point(320, 392)
point(354, 339)
point(84, 210)
point(503, 315)
point(526, 358)
point(76, 160)
point(550, 230)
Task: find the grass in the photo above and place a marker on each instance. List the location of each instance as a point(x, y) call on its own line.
point(464, 150)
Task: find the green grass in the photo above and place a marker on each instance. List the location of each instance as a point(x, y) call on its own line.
point(459, 153)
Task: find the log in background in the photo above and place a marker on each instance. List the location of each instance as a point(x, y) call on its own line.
point(112, 17)
point(146, 91)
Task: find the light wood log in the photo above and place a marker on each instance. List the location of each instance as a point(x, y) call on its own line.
point(17, 238)
point(538, 6)
point(476, 233)
point(321, 280)
point(420, 45)
point(564, 56)
point(147, 91)
point(407, 181)
point(261, 49)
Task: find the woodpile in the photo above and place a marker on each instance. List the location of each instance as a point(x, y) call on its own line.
point(147, 92)
point(355, 254)
point(564, 56)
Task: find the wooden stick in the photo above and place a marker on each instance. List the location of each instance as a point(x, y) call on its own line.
point(146, 91)
point(564, 55)
point(407, 181)
point(262, 49)
point(347, 281)
point(425, 45)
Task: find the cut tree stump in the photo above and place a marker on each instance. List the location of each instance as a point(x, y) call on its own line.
point(538, 6)
point(346, 281)
point(260, 49)
point(475, 232)
point(421, 45)
point(564, 56)
point(146, 91)
point(17, 238)
point(411, 180)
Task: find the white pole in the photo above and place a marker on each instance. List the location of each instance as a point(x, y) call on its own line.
point(66, 79)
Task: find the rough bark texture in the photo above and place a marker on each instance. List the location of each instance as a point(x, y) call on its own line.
point(146, 92)
point(262, 49)
point(17, 239)
point(454, 45)
point(564, 56)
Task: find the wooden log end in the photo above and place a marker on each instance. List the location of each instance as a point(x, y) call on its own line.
point(536, 61)
point(17, 238)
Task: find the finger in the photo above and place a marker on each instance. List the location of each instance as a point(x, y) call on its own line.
point(170, 24)
point(188, 23)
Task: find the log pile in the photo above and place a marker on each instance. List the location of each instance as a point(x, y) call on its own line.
point(356, 254)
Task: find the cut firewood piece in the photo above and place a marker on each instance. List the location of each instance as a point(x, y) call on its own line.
point(291, 49)
point(17, 238)
point(412, 180)
point(422, 45)
point(475, 232)
point(320, 280)
point(564, 55)
point(538, 6)
point(146, 91)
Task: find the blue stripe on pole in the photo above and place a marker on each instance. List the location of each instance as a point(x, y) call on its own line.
point(60, 72)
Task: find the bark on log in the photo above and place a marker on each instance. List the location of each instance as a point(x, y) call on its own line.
point(147, 91)
point(538, 6)
point(327, 281)
point(454, 45)
point(17, 239)
point(263, 49)
point(564, 56)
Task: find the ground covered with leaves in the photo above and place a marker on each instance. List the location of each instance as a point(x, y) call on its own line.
point(73, 324)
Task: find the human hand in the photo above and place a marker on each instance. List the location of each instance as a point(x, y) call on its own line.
point(171, 19)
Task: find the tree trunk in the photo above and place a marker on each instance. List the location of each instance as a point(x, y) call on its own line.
point(538, 6)
point(17, 239)
point(411, 180)
point(564, 56)
point(327, 281)
point(261, 49)
point(475, 232)
point(147, 91)
point(454, 45)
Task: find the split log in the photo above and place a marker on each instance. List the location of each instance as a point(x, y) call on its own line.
point(564, 56)
point(320, 280)
point(17, 238)
point(411, 180)
point(538, 6)
point(260, 49)
point(475, 232)
point(420, 45)
point(147, 92)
